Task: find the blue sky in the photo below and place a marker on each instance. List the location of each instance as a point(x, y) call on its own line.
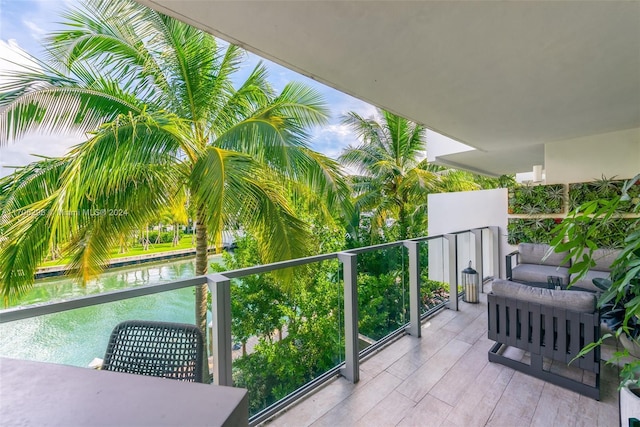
point(24, 23)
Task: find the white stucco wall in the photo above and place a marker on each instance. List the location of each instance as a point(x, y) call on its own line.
point(451, 212)
point(589, 158)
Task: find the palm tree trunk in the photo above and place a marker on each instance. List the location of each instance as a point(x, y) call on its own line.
point(201, 269)
point(145, 239)
point(402, 223)
point(159, 233)
point(176, 234)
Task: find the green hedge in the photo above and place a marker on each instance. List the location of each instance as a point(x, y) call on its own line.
point(165, 237)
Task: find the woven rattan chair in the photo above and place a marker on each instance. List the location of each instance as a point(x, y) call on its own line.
point(168, 350)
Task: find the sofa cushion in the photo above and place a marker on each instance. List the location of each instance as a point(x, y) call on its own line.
point(603, 259)
point(584, 302)
point(586, 283)
point(538, 273)
point(533, 253)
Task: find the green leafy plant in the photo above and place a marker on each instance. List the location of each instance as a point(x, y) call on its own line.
point(535, 230)
point(529, 199)
point(620, 300)
point(603, 189)
point(432, 292)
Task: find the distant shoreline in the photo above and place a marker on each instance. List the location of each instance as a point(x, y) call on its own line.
point(59, 270)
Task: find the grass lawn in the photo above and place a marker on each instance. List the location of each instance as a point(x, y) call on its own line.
point(185, 243)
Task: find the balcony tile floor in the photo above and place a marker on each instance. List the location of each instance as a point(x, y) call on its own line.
point(445, 379)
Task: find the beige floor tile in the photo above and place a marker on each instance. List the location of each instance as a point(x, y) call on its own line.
point(361, 401)
point(389, 412)
point(418, 385)
point(445, 379)
point(428, 412)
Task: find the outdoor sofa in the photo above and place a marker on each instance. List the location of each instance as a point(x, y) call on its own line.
point(552, 326)
point(529, 265)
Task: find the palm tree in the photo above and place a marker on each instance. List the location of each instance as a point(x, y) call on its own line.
point(163, 118)
point(393, 177)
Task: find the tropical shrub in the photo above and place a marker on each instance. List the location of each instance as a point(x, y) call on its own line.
point(158, 237)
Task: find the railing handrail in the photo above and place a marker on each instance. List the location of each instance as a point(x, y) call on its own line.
point(266, 268)
point(19, 313)
point(219, 285)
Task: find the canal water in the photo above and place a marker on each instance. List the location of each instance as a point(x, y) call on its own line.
point(78, 336)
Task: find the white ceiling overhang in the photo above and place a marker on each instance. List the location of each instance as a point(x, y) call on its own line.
point(495, 163)
point(502, 77)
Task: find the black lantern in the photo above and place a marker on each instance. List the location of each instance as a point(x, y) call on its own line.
point(471, 285)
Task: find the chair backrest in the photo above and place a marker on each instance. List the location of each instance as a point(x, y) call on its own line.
point(533, 253)
point(159, 349)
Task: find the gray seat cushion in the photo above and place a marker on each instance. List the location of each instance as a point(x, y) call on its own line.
point(538, 273)
point(603, 259)
point(533, 253)
point(586, 282)
point(584, 302)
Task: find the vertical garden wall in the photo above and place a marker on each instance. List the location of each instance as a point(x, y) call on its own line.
point(534, 210)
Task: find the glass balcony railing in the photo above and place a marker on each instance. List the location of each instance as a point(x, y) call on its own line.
point(77, 336)
point(383, 292)
point(434, 290)
point(324, 312)
point(287, 329)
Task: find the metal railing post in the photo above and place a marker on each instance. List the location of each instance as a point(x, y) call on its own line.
point(479, 260)
point(495, 246)
point(351, 370)
point(414, 287)
point(452, 271)
point(220, 288)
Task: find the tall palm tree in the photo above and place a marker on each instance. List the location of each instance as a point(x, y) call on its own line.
point(162, 116)
point(393, 177)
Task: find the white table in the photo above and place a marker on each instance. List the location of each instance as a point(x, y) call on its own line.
point(45, 394)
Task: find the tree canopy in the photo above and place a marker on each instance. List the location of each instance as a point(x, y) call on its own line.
point(393, 177)
point(163, 118)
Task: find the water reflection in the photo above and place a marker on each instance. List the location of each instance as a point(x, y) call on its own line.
point(75, 337)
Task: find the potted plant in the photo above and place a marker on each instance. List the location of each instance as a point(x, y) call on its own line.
point(619, 302)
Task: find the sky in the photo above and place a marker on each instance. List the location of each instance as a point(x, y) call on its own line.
point(25, 23)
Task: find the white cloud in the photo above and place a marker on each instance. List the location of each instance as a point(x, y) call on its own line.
point(20, 152)
point(339, 130)
point(26, 150)
point(13, 58)
point(36, 31)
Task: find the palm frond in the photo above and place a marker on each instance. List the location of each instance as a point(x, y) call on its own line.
point(95, 33)
point(233, 106)
point(59, 110)
point(28, 185)
point(265, 212)
point(23, 245)
point(234, 188)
